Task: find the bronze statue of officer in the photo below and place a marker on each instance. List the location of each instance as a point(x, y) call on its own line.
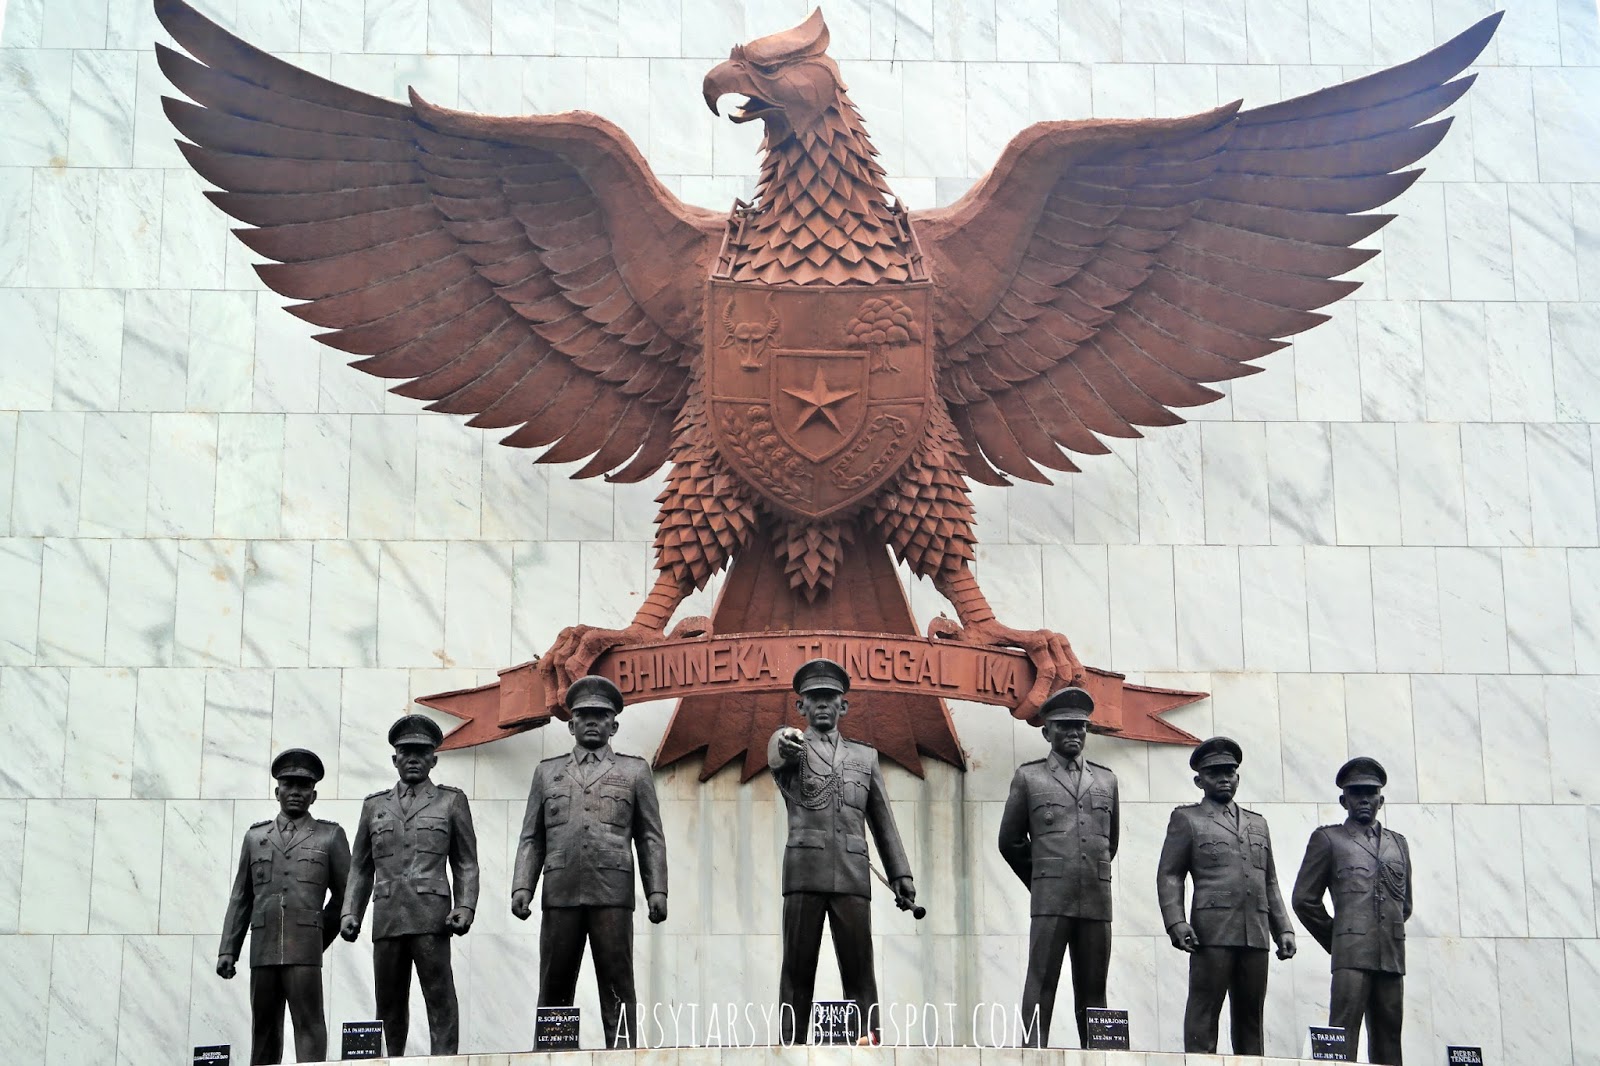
point(1059, 832)
point(586, 811)
point(408, 836)
point(1367, 868)
point(291, 880)
point(834, 792)
point(1238, 912)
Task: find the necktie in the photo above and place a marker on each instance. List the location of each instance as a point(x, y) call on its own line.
point(405, 798)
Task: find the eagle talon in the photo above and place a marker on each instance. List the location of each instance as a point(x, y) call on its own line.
point(1051, 654)
point(575, 651)
point(694, 626)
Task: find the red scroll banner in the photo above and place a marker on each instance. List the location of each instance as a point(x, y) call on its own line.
point(765, 663)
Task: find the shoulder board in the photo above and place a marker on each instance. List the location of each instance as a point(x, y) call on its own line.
point(380, 792)
point(327, 821)
point(1398, 836)
point(1330, 825)
point(449, 788)
point(553, 758)
point(1097, 766)
point(258, 825)
point(629, 758)
point(1033, 762)
point(1247, 810)
point(1186, 806)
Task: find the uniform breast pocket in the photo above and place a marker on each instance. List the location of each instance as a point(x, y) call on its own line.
point(433, 834)
point(311, 866)
point(1048, 817)
point(1352, 879)
point(1259, 851)
point(261, 869)
point(1213, 852)
point(557, 809)
point(856, 787)
point(1100, 812)
point(616, 805)
point(383, 841)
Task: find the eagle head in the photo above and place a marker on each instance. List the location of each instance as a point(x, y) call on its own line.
point(787, 78)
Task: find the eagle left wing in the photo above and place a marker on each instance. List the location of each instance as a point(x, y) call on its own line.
point(529, 271)
point(1104, 271)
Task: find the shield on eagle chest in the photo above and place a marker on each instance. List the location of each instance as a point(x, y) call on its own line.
point(817, 396)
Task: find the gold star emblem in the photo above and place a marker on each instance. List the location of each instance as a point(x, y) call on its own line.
point(819, 401)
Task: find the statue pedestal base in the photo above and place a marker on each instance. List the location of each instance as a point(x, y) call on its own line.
point(844, 1056)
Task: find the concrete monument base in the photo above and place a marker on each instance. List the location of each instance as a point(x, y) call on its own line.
point(843, 1056)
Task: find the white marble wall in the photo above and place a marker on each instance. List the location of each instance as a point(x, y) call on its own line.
point(216, 541)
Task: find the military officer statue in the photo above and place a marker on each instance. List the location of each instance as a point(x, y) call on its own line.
point(833, 790)
point(1059, 833)
point(1238, 912)
point(584, 811)
point(291, 880)
point(407, 836)
point(1368, 870)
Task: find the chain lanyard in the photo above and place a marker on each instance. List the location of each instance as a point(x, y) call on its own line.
point(817, 791)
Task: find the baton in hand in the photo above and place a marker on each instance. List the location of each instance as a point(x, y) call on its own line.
point(917, 912)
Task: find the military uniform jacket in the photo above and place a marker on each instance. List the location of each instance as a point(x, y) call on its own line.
point(1060, 841)
point(399, 860)
point(1371, 885)
point(287, 894)
point(581, 828)
point(833, 793)
point(1236, 899)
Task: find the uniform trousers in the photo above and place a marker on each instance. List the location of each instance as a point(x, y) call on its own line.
point(1237, 973)
point(300, 988)
point(1378, 996)
point(609, 933)
point(850, 925)
point(392, 960)
point(1049, 937)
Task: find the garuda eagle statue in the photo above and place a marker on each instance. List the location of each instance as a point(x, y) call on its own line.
point(823, 369)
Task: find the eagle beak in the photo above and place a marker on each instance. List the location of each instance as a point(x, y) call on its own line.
point(724, 78)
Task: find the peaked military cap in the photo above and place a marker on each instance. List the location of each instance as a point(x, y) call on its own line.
point(297, 762)
point(1362, 772)
point(821, 674)
point(1070, 704)
point(594, 691)
point(416, 729)
point(1218, 751)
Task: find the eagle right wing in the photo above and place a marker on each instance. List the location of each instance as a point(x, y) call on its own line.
point(531, 272)
point(1104, 271)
